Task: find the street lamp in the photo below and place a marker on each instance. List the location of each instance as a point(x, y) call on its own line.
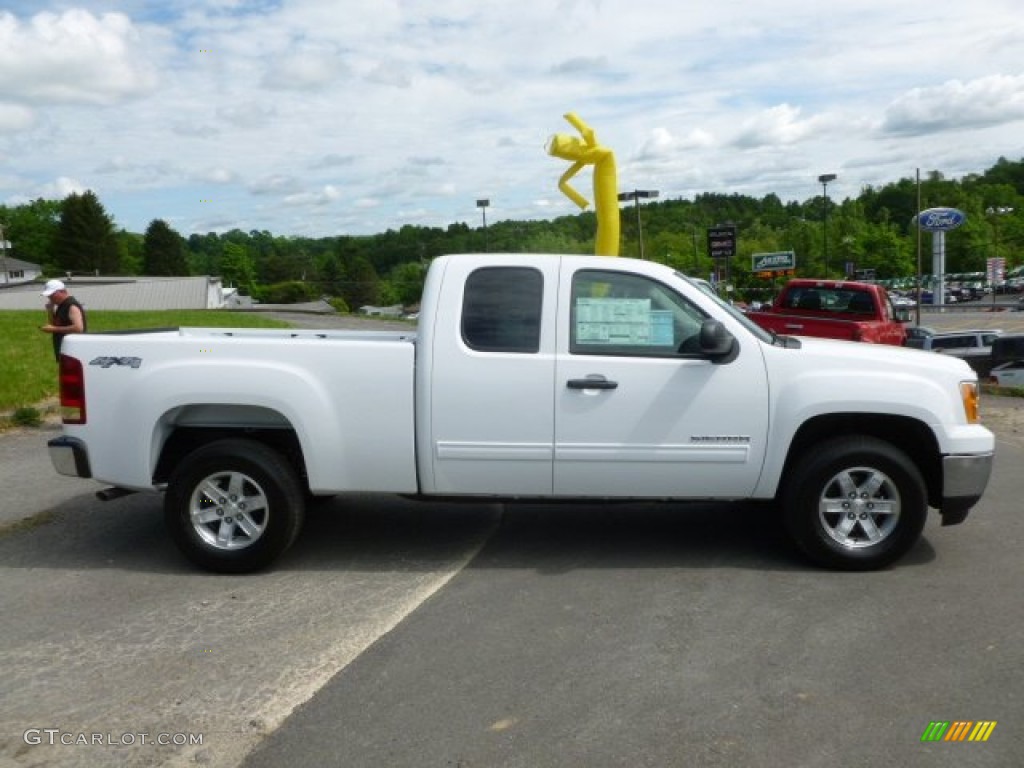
point(825, 178)
point(4, 245)
point(635, 196)
point(995, 212)
point(482, 205)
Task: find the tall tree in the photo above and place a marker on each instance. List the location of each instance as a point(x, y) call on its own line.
point(163, 251)
point(363, 284)
point(85, 240)
point(237, 268)
point(406, 281)
point(130, 245)
point(31, 229)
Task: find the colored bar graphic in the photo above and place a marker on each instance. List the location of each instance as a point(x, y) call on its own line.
point(983, 730)
point(958, 730)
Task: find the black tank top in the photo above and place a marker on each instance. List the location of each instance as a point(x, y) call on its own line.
point(62, 317)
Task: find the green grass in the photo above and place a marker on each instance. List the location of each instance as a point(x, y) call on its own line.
point(28, 372)
point(994, 389)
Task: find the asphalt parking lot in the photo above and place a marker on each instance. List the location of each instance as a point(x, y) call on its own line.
point(645, 635)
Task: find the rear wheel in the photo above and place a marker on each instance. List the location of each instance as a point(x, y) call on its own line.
point(234, 506)
point(855, 503)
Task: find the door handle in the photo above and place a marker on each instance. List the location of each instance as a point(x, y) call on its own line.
point(593, 381)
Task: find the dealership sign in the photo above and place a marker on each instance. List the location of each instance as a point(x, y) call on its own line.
point(722, 242)
point(772, 262)
point(941, 219)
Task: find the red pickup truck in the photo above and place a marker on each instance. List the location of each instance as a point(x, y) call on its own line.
point(834, 309)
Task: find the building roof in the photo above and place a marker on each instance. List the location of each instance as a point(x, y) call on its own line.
point(17, 265)
point(201, 292)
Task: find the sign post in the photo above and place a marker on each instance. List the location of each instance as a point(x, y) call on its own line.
point(995, 272)
point(939, 221)
point(722, 245)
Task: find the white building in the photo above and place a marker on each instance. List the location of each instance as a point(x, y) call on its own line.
point(101, 293)
point(15, 271)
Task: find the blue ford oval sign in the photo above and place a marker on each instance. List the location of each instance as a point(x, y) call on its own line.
point(941, 219)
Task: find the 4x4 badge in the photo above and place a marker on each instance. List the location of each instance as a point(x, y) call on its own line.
point(106, 362)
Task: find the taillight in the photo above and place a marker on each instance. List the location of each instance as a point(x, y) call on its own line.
point(72, 390)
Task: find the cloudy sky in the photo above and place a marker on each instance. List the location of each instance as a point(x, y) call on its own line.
point(325, 117)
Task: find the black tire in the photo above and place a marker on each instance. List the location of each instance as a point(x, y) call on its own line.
point(854, 503)
point(234, 506)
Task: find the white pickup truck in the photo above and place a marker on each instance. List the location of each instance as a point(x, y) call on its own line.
point(529, 377)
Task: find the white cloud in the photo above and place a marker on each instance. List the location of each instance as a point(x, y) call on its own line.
point(58, 189)
point(780, 124)
point(662, 145)
point(15, 118)
point(992, 100)
point(297, 114)
point(276, 185)
point(306, 68)
point(72, 57)
point(326, 195)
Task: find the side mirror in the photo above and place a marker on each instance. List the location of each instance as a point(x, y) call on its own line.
point(716, 343)
point(902, 315)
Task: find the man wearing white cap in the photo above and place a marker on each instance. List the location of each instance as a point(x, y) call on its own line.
point(64, 313)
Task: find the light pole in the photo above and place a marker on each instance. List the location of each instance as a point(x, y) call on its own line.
point(696, 260)
point(995, 212)
point(635, 196)
point(4, 245)
point(482, 205)
point(825, 178)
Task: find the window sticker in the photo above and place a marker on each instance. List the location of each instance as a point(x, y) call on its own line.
point(622, 322)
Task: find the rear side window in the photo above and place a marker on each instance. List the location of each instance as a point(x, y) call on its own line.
point(1007, 348)
point(952, 342)
point(501, 309)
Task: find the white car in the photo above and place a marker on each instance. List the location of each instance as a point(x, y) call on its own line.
point(1008, 374)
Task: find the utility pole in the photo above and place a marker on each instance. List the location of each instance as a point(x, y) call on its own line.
point(4, 245)
point(825, 178)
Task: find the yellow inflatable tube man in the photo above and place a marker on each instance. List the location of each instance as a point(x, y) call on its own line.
point(587, 151)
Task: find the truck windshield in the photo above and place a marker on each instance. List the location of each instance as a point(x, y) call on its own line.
point(747, 323)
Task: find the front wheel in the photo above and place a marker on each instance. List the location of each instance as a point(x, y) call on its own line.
point(855, 503)
point(233, 506)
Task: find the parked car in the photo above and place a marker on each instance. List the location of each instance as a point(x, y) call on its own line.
point(961, 342)
point(916, 335)
point(900, 300)
point(927, 297)
point(1008, 374)
point(1007, 348)
point(972, 346)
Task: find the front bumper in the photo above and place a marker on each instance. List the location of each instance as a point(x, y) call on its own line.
point(964, 481)
point(69, 456)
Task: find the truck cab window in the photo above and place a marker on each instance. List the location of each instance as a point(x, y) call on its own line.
point(501, 309)
point(629, 315)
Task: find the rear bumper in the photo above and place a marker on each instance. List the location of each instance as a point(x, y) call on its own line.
point(69, 456)
point(964, 481)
